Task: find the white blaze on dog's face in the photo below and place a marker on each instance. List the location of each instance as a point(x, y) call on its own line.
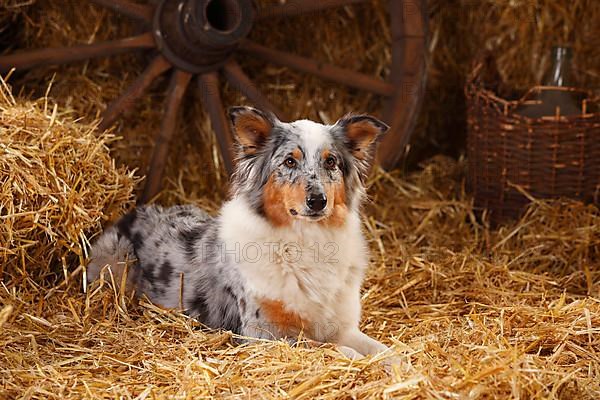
point(302, 170)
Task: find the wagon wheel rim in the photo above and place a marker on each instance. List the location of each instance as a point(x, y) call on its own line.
point(198, 39)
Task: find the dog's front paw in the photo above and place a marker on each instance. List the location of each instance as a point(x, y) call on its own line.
point(389, 359)
point(350, 352)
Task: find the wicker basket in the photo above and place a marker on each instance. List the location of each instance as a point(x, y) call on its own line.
point(510, 155)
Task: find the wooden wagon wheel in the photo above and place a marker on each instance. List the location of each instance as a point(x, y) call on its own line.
point(200, 38)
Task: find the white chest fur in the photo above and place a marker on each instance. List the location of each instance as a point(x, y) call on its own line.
point(309, 267)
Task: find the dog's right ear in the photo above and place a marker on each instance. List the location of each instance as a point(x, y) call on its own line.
point(251, 126)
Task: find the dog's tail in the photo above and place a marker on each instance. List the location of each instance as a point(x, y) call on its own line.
point(112, 256)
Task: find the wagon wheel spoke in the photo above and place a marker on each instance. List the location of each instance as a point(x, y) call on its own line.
point(125, 7)
point(177, 86)
point(297, 7)
point(238, 78)
point(126, 100)
point(62, 55)
point(322, 70)
point(211, 98)
point(409, 36)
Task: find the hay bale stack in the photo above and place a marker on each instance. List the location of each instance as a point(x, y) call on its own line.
point(58, 184)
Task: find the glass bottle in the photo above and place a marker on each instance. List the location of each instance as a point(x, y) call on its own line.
point(551, 100)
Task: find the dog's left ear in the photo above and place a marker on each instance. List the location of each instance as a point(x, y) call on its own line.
point(361, 133)
point(251, 126)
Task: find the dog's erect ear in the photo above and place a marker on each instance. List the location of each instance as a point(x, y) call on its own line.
point(251, 126)
point(360, 133)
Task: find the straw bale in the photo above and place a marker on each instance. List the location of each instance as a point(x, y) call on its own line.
point(58, 185)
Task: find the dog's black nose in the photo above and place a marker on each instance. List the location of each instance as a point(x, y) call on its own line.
point(316, 202)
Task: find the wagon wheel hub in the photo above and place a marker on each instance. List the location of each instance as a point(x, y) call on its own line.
point(198, 36)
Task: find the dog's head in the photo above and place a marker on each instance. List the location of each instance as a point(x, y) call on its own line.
point(302, 170)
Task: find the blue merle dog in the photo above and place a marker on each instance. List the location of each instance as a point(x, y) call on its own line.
point(284, 256)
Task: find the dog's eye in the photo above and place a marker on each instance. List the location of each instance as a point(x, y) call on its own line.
point(291, 162)
point(330, 162)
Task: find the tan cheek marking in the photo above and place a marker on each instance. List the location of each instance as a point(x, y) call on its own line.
point(284, 320)
point(337, 193)
point(295, 196)
point(278, 199)
point(274, 204)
